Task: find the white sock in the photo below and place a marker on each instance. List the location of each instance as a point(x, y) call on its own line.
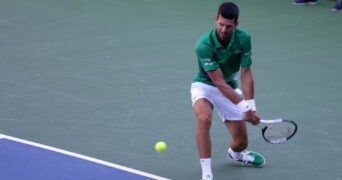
point(233, 154)
point(206, 167)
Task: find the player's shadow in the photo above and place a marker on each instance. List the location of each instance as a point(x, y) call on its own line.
point(234, 165)
point(232, 170)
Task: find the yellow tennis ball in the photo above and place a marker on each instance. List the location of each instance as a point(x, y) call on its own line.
point(160, 146)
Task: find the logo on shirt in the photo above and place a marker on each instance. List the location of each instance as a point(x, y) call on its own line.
point(237, 52)
point(247, 54)
point(208, 62)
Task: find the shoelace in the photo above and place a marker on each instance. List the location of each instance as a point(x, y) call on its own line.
point(246, 158)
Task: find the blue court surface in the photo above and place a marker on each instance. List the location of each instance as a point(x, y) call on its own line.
point(21, 159)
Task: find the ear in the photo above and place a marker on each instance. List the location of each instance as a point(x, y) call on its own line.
point(237, 23)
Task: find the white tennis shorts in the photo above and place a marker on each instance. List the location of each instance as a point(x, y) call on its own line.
point(224, 107)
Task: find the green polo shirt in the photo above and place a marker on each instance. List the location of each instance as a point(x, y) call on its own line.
point(212, 55)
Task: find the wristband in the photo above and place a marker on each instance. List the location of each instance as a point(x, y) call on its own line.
point(252, 103)
point(244, 106)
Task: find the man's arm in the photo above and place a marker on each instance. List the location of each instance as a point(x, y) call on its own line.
point(216, 77)
point(247, 83)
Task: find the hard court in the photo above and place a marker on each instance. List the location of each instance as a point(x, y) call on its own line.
point(108, 78)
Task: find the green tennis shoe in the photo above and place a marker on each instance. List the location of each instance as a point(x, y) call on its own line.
point(250, 158)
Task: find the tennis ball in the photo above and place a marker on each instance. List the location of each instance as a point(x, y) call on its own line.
point(160, 146)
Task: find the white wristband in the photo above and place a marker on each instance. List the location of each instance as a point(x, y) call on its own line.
point(244, 106)
point(252, 103)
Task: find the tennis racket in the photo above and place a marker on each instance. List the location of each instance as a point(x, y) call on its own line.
point(277, 131)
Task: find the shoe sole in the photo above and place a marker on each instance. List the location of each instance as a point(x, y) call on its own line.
point(304, 4)
point(336, 10)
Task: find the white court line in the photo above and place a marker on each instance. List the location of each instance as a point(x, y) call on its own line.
point(2, 136)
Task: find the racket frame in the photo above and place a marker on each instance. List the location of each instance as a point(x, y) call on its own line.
point(269, 122)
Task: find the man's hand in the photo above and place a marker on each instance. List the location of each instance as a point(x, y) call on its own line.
point(252, 117)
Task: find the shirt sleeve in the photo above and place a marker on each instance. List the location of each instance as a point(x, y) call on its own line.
point(246, 59)
point(205, 57)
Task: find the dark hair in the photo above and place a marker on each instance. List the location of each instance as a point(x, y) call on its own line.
point(229, 10)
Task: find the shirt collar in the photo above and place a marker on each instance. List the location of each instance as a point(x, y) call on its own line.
point(217, 42)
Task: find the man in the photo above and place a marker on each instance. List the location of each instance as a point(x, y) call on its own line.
point(221, 52)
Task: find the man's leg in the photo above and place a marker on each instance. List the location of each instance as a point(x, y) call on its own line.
point(238, 131)
point(239, 143)
point(203, 110)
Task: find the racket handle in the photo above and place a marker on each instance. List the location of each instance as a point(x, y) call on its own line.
point(271, 120)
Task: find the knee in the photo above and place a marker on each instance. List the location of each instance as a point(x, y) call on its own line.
point(204, 121)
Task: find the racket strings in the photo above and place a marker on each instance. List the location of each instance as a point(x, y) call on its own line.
point(278, 132)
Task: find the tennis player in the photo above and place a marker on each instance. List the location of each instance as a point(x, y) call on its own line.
point(223, 54)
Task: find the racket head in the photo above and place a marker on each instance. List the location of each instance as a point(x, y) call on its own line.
point(280, 131)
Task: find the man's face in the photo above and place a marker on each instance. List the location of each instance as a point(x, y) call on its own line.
point(224, 28)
